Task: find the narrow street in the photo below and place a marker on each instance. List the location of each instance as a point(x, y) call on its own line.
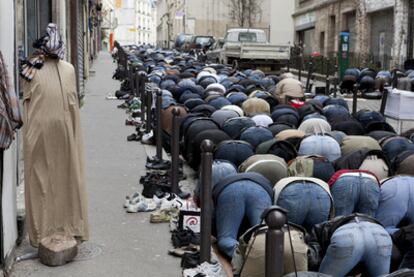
point(120, 244)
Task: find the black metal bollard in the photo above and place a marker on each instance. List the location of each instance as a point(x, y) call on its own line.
point(159, 124)
point(300, 67)
point(175, 151)
point(148, 95)
point(355, 100)
point(328, 81)
point(336, 81)
point(310, 69)
point(142, 95)
point(206, 199)
point(137, 82)
point(384, 101)
point(275, 219)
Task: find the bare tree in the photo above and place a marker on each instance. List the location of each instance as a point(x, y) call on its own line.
point(245, 12)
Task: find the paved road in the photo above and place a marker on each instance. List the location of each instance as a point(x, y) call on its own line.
point(130, 245)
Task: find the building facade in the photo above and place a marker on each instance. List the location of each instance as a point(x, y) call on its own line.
point(135, 21)
point(214, 17)
point(381, 32)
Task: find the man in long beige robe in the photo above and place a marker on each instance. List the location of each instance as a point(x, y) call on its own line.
point(56, 201)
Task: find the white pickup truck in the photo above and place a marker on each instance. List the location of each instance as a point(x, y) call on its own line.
point(249, 48)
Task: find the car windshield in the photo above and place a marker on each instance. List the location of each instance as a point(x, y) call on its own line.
point(246, 37)
point(203, 40)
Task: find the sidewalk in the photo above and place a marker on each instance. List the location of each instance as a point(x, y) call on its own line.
point(120, 244)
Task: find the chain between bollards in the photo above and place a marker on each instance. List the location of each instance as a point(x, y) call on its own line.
point(207, 147)
point(175, 151)
point(275, 219)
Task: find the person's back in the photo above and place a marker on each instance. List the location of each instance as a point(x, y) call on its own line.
point(288, 87)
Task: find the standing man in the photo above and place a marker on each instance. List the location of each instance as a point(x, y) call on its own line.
point(53, 151)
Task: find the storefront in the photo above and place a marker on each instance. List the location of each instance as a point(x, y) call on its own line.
point(382, 36)
point(305, 31)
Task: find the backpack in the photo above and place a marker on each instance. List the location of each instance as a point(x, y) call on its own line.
point(311, 166)
point(249, 256)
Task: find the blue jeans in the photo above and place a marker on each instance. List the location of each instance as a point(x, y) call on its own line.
point(234, 151)
point(325, 146)
point(238, 200)
point(353, 243)
point(353, 194)
point(307, 203)
point(396, 202)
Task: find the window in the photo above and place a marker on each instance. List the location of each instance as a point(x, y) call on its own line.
point(38, 16)
point(236, 36)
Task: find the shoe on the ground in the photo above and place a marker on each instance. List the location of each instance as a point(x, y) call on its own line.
point(182, 238)
point(179, 252)
point(146, 205)
point(171, 202)
point(134, 137)
point(148, 138)
point(190, 260)
point(206, 269)
point(133, 199)
point(163, 216)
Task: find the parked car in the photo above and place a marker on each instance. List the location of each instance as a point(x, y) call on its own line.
point(250, 48)
point(183, 41)
point(201, 42)
point(213, 55)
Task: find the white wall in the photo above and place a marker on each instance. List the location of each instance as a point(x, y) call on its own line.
point(281, 21)
point(10, 156)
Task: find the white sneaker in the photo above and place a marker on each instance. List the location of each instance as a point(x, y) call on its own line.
point(171, 202)
point(133, 199)
point(158, 200)
point(146, 205)
point(207, 269)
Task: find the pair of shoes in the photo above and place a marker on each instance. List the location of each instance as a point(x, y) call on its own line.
point(146, 205)
point(190, 260)
point(179, 252)
point(206, 269)
point(134, 137)
point(182, 238)
point(168, 202)
point(133, 199)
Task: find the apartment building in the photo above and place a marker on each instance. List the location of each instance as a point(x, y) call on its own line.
point(380, 31)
